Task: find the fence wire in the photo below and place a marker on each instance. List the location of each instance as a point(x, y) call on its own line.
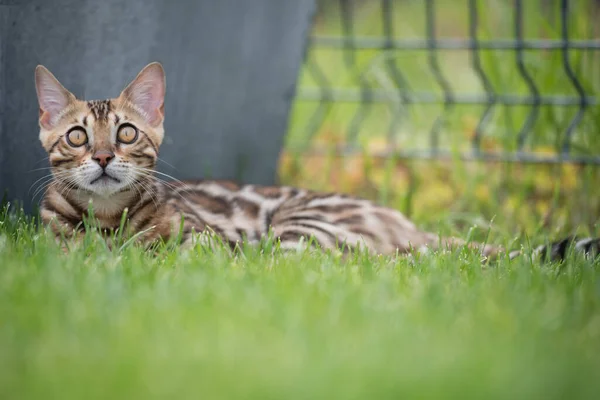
point(574, 102)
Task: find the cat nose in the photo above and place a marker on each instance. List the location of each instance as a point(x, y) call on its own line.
point(103, 157)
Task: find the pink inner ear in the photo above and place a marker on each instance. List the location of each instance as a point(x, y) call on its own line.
point(45, 119)
point(53, 101)
point(52, 97)
point(147, 93)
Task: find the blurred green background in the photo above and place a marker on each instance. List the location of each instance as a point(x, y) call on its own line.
point(450, 194)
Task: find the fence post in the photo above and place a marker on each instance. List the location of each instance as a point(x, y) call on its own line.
point(231, 72)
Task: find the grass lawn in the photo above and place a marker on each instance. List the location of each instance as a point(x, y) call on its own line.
point(202, 324)
point(205, 324)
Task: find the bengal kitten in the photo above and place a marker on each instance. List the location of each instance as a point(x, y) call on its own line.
point(104, 152)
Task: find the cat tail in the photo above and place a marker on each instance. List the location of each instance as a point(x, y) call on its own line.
point(558, 250)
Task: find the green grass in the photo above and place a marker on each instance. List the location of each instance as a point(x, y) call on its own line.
point(204, 324)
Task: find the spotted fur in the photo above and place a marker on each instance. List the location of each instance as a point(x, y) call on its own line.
point(116, 174)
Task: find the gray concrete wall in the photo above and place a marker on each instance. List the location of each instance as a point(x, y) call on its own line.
point(231, 70)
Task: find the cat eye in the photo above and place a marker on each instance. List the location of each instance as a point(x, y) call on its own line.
point(77, 137)
point(127, 134)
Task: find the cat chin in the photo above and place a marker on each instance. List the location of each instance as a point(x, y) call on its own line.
point(104, 189)
point(106, 184)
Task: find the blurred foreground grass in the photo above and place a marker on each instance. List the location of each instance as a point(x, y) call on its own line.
point(204, 324)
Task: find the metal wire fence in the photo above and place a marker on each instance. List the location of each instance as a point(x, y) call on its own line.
point(548, 100)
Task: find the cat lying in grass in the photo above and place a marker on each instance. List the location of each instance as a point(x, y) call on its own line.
point(105, 152)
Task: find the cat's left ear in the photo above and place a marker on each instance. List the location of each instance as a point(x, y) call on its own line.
point(147, 93)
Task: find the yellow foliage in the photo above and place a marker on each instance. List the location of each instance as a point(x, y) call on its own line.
point(569, 178)
point(482, 192)
point(542, 207)
point(434, 196)
point(528, 193)
point(378, 145)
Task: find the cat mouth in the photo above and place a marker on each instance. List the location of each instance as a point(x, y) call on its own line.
point(104, 177)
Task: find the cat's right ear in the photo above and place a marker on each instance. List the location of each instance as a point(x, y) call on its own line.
point(53, 98)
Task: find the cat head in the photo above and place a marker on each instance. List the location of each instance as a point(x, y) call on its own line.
point(102, 146)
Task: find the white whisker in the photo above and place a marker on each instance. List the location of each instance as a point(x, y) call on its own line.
point(170, 165)
point(151, 193)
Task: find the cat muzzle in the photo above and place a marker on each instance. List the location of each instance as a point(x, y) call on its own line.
point(104, 176)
